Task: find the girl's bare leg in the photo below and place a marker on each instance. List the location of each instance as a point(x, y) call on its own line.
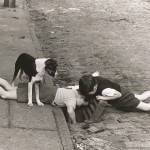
point(8, 94)
point(144, 106)
point(7, 86)
point(143, 96)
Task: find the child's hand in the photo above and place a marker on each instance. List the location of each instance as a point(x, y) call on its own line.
point(98, 97)
point(73, 127)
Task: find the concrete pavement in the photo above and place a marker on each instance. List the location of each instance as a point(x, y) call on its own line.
point(21, 127)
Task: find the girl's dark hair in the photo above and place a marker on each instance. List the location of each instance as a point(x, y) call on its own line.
point(86, 84)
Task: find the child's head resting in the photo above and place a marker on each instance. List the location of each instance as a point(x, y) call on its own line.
point(87, 85)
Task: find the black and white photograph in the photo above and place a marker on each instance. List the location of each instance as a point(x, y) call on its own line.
point(74, 74)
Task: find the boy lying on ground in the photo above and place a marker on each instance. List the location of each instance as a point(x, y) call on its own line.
point(113, 93)
point(49, 94)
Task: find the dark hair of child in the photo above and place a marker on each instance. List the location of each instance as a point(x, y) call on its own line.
point(86, 84)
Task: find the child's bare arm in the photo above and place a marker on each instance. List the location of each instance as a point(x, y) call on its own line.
point(105, 97)
point(71, 112)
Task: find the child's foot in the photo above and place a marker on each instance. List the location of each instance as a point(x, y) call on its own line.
point(2, 93)
point(146, 94)
point(143, 96)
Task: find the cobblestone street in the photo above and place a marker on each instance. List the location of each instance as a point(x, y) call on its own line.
point(112, 37)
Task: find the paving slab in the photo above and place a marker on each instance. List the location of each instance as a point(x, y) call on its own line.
point(22, 116)
point(4, 113)
point(14, 33)
point(23, 139)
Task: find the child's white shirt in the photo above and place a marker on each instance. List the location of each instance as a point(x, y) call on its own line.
point(67, 97)
point(108, 92)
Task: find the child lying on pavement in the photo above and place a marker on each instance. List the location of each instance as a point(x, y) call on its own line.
point(113, 93)
point(49, 94)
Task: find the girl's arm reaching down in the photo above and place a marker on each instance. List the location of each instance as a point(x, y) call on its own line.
point(71, 113)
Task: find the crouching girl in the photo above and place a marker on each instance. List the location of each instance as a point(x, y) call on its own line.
point(113, 93)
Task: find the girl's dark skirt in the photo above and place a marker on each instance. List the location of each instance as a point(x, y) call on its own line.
point(127, 102)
